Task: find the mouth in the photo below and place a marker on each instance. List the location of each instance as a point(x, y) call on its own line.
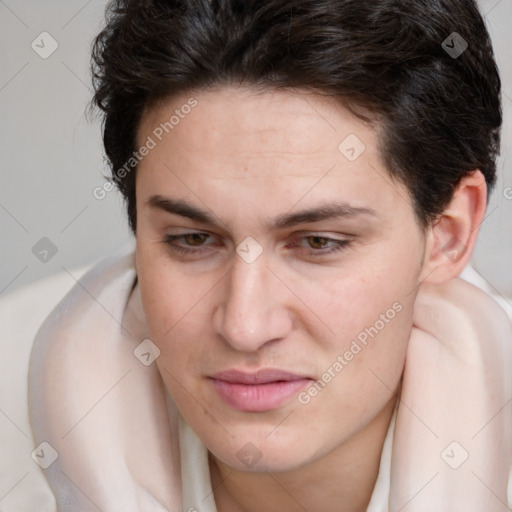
point(261, 391)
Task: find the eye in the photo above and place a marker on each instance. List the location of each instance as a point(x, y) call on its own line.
point(318, 242)
point(187, 243)
point(195, 239)
point(319, 245)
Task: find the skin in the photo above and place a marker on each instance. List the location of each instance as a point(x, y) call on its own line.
point(248, 158)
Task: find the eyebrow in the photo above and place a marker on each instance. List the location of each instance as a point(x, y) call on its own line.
point(327, 211)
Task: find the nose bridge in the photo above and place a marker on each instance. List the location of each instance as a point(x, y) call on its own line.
point(251, 311)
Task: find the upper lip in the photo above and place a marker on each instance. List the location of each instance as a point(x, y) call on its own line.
point(263, 376)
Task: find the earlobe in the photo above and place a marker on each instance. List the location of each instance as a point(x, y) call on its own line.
point(453, 236)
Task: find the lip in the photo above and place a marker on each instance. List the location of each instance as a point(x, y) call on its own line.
point(260, 391)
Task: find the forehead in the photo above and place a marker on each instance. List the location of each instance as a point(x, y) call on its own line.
point(292, 123)
point(272, 149)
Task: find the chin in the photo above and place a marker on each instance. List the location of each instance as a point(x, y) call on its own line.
point(275, 463)
point(259, 453)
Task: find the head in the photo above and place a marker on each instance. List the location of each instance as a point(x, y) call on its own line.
point(292, 173)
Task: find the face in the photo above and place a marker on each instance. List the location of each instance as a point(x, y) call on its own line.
point(277, 263)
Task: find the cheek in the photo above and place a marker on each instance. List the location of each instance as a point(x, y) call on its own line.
point(367, 300)
point(177, 305)
point(360, 367)
point(369, 315)
point(169, 295)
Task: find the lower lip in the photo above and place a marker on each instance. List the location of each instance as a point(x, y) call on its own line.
point(258, 397)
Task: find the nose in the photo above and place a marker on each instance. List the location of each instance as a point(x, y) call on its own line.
point(253, 308)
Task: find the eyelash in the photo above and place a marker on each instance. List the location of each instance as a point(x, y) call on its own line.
point(170, 241)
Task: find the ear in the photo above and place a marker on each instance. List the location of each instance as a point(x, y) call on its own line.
point(452, 237)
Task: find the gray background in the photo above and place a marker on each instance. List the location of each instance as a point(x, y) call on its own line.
point(52, 156)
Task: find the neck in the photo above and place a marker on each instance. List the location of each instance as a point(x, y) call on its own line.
point(341, 481)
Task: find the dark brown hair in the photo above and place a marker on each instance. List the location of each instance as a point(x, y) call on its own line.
point(439, 112)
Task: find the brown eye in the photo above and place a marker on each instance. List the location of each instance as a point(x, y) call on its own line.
point(317, 242)
point(319, 246)
point(195, 239)
point(190, 244)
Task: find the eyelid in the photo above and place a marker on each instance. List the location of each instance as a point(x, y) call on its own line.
point(327, 235)
point(297, 240)
point(323, 234)
point(174, 236)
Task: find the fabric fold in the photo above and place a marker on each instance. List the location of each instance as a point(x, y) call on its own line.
point(97, 405)
point(455, 414)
